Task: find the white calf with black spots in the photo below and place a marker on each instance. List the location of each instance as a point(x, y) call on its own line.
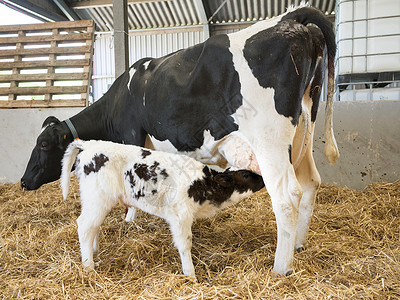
point(174, 187)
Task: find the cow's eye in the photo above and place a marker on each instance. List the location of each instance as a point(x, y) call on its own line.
point(245, 175)
point(43, 146)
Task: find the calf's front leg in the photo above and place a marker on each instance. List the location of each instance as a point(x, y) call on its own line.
point(181, 229)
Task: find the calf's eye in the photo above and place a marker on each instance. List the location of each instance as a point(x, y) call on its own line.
point(245, 175)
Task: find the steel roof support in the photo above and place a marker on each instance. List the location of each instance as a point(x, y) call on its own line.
point(203, 18)
point(121, 49)
point(68, 12)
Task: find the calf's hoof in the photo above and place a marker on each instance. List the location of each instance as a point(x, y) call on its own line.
point(290, 272)
point(300, 249)
point(88, 265)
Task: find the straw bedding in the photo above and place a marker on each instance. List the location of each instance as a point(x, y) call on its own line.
point(353, 250)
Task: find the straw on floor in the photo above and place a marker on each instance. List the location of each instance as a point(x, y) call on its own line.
point(353, 250)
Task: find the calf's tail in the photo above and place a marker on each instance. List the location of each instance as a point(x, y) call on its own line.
point(67, 163)
point(309, 15)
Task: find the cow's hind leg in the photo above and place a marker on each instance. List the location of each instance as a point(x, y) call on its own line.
point(310, 180)
point(285, 191)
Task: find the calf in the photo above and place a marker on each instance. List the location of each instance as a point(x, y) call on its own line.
point(174, 187)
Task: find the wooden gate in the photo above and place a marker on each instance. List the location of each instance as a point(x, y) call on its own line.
point(46, 65)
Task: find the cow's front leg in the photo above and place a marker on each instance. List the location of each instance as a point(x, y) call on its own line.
point(181, 229)
point(281, 183)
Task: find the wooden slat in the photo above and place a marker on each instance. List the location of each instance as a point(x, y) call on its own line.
point(45, 76)
point(41, 90)
point(40, 51)
point(45, 64)
point(66, 25)
point(8, 41)
point(41, 103)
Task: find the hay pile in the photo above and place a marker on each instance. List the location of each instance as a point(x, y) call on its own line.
point(353, 251)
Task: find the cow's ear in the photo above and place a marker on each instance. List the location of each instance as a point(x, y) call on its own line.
point(50, 120)
point(225, 180)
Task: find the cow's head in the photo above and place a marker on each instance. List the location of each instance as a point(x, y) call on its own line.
point(45, 163)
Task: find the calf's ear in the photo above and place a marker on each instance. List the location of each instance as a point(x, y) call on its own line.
point(50, 120)
point(225, 180)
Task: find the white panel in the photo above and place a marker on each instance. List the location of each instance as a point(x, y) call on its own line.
point(156, 44)
point(369, 38)
point(384, 26)
point(383, 8)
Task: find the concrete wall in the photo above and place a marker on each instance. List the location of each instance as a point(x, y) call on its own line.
point(19, 129)
point(368, 136)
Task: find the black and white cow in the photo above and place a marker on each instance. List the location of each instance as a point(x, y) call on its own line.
point(174, 187)
point(248, 98)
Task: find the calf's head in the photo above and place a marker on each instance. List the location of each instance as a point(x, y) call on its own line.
point(45, 162)
point(241, 181)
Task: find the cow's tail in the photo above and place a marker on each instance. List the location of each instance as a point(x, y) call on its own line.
point(309, 15)
point(67, 163)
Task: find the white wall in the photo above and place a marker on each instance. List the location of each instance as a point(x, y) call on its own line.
point(19, 129)
point(367, 133)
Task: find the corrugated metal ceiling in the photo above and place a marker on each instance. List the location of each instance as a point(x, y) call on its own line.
point(171, 13)
point(146, 14)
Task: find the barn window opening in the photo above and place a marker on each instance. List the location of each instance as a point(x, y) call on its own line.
point(68, 83)
point(41, 58)
point(39, 33)
point(8, 47)
point(32, 84)
point(71, 45)
point(38, 46)
point(30, 97)
point(69, 57)
point(66, 96)
point(68, 70)
point(33, 71)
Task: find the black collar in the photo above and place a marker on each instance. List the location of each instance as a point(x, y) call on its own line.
point(72, 129)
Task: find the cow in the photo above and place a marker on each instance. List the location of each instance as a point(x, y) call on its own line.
point(174, 187)
point(256, 89)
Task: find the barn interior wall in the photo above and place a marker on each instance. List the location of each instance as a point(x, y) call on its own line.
point(367, 133)
point(368, 137)
point(19, 129)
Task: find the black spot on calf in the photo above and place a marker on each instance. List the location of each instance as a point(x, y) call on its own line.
point(97, 162)
point(145, 153)
point(132, 180)
point(146, 172)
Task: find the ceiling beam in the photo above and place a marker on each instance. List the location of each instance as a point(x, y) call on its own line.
point(36, 11)
point(99, 3)
point(68, 12)
point(203, 18)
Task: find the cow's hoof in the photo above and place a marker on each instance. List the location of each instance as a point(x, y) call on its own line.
point(300, 249)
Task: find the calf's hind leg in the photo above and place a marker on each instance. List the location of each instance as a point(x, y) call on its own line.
point(92, 216)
